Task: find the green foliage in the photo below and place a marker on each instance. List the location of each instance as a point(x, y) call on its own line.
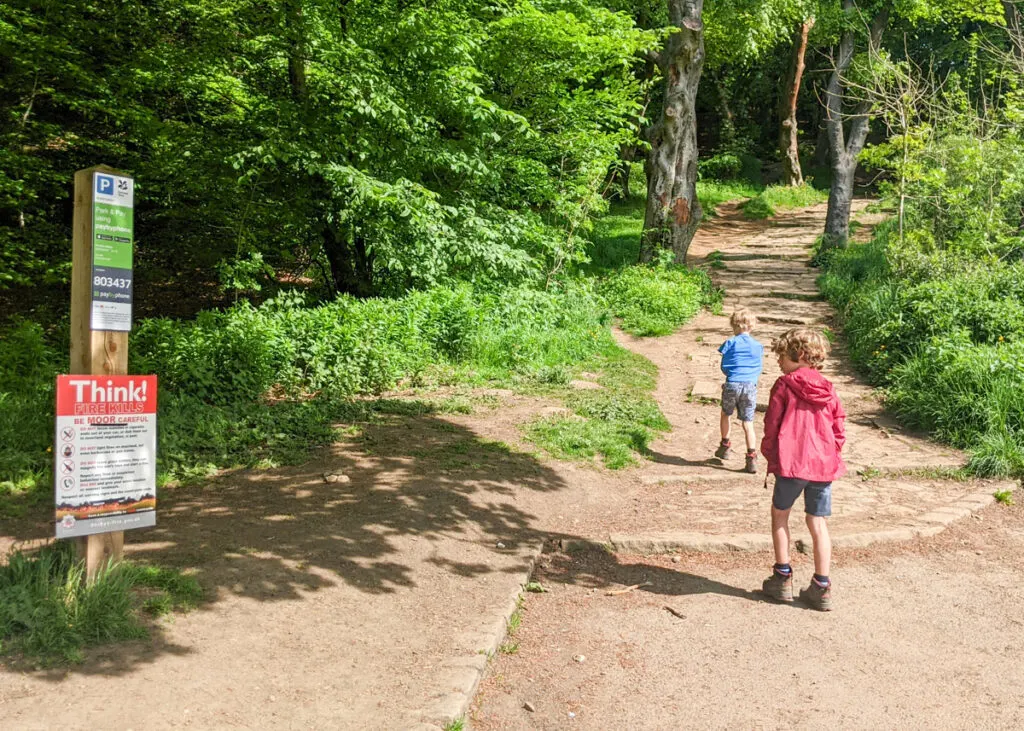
point(777, 198)
point(1004, 497)
point(616, 236)
point(571, 438)
point(377, 145)
point(656, 300)
point(723, 166)
point(944, 334)
point(261, 386)
point(616, 422)
point(712, 194)
point(49, 613)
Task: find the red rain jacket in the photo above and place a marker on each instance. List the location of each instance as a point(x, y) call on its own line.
point(804, 428)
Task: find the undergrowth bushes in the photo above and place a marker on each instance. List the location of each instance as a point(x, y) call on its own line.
point(262, 385)
point(944, 334)
point(655, 300)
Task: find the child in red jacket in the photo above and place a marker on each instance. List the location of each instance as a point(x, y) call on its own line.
point(803, 437)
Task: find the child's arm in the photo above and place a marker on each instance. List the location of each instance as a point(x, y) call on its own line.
point(772, 424)
point(838, 424)
point(723, 349)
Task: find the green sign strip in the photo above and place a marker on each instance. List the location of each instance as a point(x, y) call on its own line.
point(113, 232)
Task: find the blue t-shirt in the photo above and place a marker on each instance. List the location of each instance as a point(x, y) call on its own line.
point(741, 359)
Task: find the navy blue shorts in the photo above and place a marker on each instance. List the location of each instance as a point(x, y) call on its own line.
point(817, 495)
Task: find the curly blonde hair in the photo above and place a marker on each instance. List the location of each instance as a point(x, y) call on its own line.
point(742, 320)
point(803, 344)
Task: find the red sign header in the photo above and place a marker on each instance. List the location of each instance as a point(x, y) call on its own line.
point(106, 395)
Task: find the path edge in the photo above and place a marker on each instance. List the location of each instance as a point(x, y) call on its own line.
point(463, 674)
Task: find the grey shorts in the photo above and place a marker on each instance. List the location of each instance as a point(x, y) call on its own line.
point(817, 495)
point(741, 398)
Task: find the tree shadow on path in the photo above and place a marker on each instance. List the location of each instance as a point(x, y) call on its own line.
point(604, 571)
point(351, 516)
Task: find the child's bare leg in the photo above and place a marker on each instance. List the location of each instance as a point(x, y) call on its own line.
point(725, 426)
point(780, 535)
point(748, 434)
point(822, 544)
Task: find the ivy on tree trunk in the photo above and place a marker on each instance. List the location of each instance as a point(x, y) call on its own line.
point(789, 148)
point(845, 146)
point(673, 210)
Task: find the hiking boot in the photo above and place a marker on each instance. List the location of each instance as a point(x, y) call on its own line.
point(817, 596)
point(724, 449)
point(751, 463)
point(779, 587)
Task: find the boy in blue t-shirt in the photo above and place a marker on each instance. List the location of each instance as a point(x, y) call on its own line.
point(741, 364)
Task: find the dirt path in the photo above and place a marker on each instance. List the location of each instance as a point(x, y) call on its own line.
point(925, 635)
point(894, 489)
point(373, 601)
point(927, 632)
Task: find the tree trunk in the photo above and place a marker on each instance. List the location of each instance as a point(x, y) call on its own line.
point(845, 147)
point(840, 198)
point(673, 210)
point(1013, 26)
point(789, 148)
point(727, 133)
point(822, 155)
point(297, 51)
point(351, 267)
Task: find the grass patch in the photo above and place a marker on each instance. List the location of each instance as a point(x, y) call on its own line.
point(616, 236)
point(716, 260)
point(511, 645)
point(657, 300)
point(713, 193)
point(1004, 497)
point(571, 438)
point(48, 613)
point(954, 474)
point(776, 198)
point(616, 423)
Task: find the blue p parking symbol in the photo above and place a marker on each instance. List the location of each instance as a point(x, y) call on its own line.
point(104, 185)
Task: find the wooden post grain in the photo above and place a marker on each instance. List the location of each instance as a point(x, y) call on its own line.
point(93, 352)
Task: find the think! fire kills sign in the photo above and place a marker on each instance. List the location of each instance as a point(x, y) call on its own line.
point(105, 454)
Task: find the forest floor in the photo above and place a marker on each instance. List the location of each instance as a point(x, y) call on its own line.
point(371, 586)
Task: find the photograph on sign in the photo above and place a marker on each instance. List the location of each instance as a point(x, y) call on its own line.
point(113, 231)
point(105, 454)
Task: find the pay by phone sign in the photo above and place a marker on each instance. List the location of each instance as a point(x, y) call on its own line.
point(113, 233)
point(105, 454)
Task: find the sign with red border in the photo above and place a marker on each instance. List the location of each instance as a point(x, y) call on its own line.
point(105, 454)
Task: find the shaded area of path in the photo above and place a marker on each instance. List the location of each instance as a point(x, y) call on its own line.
point(358, 603)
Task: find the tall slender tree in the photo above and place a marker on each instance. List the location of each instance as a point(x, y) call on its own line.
point(789, 140)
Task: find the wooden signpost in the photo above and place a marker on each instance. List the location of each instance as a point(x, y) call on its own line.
point(94, 351)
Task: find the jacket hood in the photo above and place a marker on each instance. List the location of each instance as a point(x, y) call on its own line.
point(810, 386)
